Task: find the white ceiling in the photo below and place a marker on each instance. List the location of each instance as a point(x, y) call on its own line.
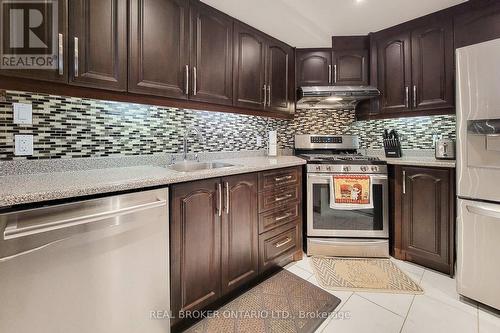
point(311, 23)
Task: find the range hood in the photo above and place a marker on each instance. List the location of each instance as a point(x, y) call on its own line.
point(334, 97)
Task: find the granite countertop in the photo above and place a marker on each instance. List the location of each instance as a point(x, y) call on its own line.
point(420, 161)
point(39, 187)
point(415, 157)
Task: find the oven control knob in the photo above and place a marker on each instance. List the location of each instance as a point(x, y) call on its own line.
point(318, 167)
point(364, 168)
point(374, 168)
point(346, 168)
point(329, 168)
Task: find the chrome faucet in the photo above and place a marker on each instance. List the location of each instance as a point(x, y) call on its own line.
point(188, 132)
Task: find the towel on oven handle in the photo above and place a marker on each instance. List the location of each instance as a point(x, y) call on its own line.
point(350, 192)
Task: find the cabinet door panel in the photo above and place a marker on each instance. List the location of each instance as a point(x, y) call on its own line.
point(60, 73)
point(159, 47)
point(432, 66)
point(394, 71)
point(239, 231)
point(478, 23)
point(351, 67)
point(195, 245)
point(279, 59)
point(314, 67)
point(249, 67)
point(426, 217)
point(211, 55)
point(98, 43)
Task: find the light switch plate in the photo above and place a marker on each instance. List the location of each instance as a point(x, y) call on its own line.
point(23, 113)
point(24, 145)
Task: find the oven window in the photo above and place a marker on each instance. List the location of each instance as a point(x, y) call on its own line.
point(325, 218)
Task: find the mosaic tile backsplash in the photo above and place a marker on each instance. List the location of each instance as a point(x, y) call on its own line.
point(68, 127)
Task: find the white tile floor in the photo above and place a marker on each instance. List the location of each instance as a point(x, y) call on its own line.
point(439, 310)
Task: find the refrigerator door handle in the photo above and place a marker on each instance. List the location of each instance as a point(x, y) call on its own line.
point(479, 210)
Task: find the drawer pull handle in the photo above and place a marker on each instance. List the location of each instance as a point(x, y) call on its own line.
point(287, 196)
point(283, 243)
point(279, 179)
point(287, 215)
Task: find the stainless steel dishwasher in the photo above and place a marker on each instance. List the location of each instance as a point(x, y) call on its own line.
point(99, 266)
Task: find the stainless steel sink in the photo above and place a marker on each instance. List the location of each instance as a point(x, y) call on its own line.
point(198, 166)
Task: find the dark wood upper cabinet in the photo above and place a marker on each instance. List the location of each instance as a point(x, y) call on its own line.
point(413, 67)
point(426, 210)
point(314, 67)
point(280, 72)
point(98, 44)
point(195, 245)
point(60, 73)
point(394, 71)
point(350, 60)
point(477, 22)
point(158, 42)
point(249, 67)
point(432, 65)
point(211, 55)
point(239, 231)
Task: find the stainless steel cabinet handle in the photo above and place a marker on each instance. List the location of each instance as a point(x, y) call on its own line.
point(283, 197)
point(219, 190)
point(76, 57)
point(265, 95)
point(13, 231)
point(195, 81)
point(269, 97)
point(280, 218)
point(407, 97)
point(186, 90)
point(60, 55)
point(335, 74)
point(404, 182)
point(329, 73)
point(478, 210)
point(283, 243)
point(279, 179)
point(414, 96)
point(227, 198)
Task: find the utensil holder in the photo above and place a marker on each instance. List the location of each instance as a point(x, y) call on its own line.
point(392, 148)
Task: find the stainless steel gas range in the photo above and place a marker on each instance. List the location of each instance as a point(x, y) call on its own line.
point(348, 232)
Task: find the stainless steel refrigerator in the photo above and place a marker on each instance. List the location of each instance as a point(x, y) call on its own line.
point(478, 172)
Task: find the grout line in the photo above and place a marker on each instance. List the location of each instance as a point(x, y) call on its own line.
point(336, 311)
point(477, 318)
point(407, 313)
point(301, 269)
point(383, 307)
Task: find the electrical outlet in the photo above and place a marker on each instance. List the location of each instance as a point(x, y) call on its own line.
point(258, 138)
point(23, 113)
point(24, 145)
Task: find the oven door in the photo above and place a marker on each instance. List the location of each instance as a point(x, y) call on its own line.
point(323, 221)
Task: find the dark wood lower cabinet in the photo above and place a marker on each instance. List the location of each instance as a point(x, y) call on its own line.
point(424, 217)
point(216, 247)
point(195, 239)
point(239, 231)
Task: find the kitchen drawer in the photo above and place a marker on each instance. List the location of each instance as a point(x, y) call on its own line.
point(275, 246)
point(278, 197)
point(276, 178)
point(278, 217)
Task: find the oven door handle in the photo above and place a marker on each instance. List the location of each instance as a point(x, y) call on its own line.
point(374, 179)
